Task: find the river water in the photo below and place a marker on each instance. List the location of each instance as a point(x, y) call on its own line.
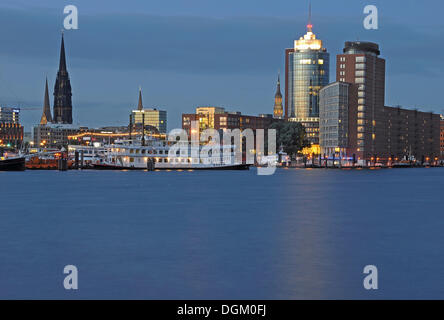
point(297, 234)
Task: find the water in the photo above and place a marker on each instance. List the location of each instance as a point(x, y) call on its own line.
point(297, 234)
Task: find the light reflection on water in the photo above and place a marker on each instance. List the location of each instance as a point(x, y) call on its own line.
point(297, 234)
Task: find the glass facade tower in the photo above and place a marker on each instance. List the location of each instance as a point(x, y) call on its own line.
point(306, 72)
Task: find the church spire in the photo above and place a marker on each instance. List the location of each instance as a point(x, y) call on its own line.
point(62, 64)
point(62, 91)
point(46, 116)
point(278, 87)
point(278, 110)
point(140, 105)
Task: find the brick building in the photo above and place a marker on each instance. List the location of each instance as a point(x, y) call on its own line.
point(375, 132)
point(219, 119)
point(411, 132)
point(11, 134)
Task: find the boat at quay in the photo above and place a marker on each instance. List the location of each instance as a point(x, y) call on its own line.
point(153, 154)
point(16, 163)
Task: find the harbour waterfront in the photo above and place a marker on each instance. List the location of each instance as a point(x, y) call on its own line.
point(297, 234)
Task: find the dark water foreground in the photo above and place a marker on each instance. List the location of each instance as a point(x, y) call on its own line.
point(208, 235)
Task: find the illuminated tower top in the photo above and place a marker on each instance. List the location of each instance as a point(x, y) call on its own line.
point(308, 41)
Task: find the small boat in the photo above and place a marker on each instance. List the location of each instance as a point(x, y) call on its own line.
point(12, 164)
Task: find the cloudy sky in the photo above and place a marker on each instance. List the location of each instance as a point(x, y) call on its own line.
point(203, 52)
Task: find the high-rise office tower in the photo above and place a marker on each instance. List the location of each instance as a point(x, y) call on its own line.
point(62, 92)
point(306, 72)
point(361, 66)
point(278, 111)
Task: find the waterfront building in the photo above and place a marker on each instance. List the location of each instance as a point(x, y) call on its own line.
point(62, 92)
point(278, 110)
point(9, 115)
point(441, 137)
point(108, 135)
point(411, 133)
point(334, 110)
point(53, 135)
point(219, 119)
point(151, 117)
point(306, 72)
point(361, 66)
point(355, 123)
point(207, 115)
point(11, 134)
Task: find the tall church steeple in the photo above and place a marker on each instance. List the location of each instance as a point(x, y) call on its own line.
point(46, 116)
point(278, 110)
point(62, 91)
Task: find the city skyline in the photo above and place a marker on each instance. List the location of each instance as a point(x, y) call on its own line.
point(238, 88)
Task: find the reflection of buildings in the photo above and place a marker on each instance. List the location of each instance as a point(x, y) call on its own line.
point(151, 117)
point(11, 132)
point(306, 72)
point(355, 122)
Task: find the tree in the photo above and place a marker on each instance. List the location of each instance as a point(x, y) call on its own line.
point(290, 135)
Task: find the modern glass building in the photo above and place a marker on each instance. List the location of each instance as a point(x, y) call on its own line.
point(306, 72)
point(333, 114)
point(153, 117)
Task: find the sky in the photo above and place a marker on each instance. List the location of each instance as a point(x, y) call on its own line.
point(203, 52)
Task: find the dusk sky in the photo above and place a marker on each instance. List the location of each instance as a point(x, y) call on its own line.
point(203, 52)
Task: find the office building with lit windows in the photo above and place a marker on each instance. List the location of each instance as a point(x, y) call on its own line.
point(219, 119)
point(361, 66)
point(335, 112)
point(354, 121)
point(306, 72)
point(9, 115)
point(154, 118)
point(11, 132)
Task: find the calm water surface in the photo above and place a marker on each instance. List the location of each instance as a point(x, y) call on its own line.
point(214, 235)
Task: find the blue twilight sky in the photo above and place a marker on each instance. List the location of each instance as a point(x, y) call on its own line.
point(203, 52)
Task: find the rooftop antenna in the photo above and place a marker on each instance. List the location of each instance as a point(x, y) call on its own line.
point(309, 25)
